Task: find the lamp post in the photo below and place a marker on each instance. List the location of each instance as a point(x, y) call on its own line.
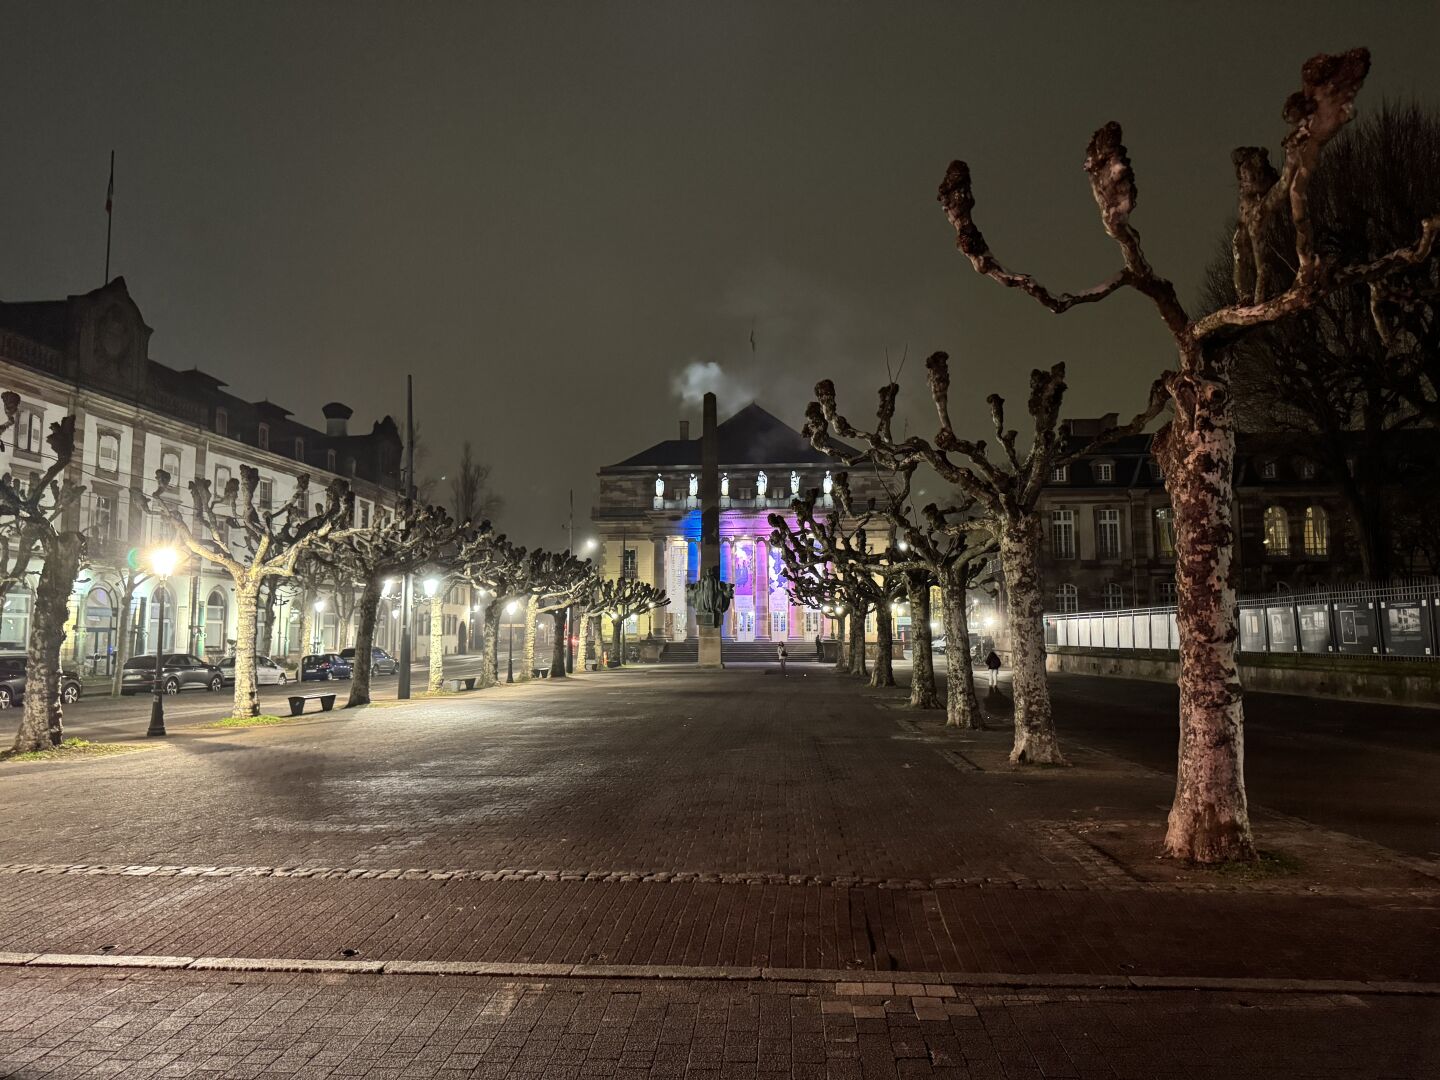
point(162, 565)
point(510, 658)
point(319, 635)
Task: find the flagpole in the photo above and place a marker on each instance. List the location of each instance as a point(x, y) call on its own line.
point(109, 216)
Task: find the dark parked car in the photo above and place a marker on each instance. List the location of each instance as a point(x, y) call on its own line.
point(182, 671)
point(12, 683)
point(381, 662)
point(321, 667)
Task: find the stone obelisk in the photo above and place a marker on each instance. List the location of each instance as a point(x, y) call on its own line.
point(709, 526)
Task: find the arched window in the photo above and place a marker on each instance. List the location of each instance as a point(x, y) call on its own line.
point(1317, 531)
point(159, 594)
point(170, 462)
point(214, 623)
point(1114, 596)
point(15, 619)
point(1165, 532)
point(100, 623)
point(1277, 531)
point(1067, 599)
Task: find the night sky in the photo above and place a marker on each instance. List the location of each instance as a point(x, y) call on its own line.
point(546, 212)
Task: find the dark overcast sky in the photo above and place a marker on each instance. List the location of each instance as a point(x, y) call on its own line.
point(547, 211)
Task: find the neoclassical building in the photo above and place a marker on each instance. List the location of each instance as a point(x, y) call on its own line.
point(647, 514)
point(88, 355)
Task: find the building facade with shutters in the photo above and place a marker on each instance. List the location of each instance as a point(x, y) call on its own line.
point(88, 355)
point(1109, 534)
point(647, 516)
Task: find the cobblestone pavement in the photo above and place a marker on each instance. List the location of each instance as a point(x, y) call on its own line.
point(83, 1023)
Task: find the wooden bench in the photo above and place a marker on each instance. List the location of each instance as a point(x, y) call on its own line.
point(462, 682)
point(297, 702)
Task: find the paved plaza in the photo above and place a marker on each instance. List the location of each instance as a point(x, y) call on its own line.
point(663, 872)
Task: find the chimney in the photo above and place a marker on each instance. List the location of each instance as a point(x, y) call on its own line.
point(337, 417)
point(684, 430)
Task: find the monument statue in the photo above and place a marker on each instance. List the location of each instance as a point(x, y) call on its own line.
point(694, 486)
point(709, 597)
point(762, 482)
point(659, 486)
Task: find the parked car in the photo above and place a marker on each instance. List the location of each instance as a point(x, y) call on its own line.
point(321, 667)
point(181, 671)
point(381, 662)
point(268, 672)
point(12, 683)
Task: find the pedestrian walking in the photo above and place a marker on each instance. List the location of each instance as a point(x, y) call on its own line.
point(782, 654)
point(819, 648)
point(993, 663)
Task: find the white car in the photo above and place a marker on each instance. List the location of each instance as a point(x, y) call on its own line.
point(267, 672)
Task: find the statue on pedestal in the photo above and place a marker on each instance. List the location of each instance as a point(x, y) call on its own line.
point(709, 597)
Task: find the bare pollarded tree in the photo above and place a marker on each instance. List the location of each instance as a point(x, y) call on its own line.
point(251, 544)
point(558, 580)
point(1004, 492)
point(620, 598)
point(32, 518)
point(1209, 820)
point(498, 568)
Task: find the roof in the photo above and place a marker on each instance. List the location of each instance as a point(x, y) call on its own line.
point(752, 436)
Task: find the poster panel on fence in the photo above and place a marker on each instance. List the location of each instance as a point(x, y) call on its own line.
point(1314, 628)
point(1406, 626)
point(1356, 630)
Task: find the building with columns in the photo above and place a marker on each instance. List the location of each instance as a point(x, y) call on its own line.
point(647, 516)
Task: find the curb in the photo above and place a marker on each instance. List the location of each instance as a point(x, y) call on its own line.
point(862, 983)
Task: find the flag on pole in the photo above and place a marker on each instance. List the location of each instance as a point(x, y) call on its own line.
point(110, 191)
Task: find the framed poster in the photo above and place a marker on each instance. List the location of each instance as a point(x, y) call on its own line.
point(1405, 625)
point(1314, 628)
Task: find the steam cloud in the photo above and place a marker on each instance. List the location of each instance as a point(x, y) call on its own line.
point(698, 378)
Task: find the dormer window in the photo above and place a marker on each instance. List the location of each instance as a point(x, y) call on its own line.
point(262, 436)
point(1104, 472)
point(222, 421)
point(1307, 470)
point(299, 449)
point(1267, 470)
point(1060, 474)
point(330, 460)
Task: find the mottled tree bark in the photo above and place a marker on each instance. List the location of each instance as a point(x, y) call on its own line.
point(617, 641)
point(923, 694)
point(1035, 739)
point(307, 624)
point(437, 641)
point(491, 667)
point(557, 654)
point(527, 651)
point(858, 666)
point(125, 629)
point(1210, 819)
point(582, 628)
point(883, 673)
point(962, 706)
point(247, 606)
point(842, 645)
point(366, 613)
point(41, 724)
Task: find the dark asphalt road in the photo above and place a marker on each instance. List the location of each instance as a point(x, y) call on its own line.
point(1366, 769)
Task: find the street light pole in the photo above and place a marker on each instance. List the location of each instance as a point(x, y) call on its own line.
point(510, 658)
point(162, 562)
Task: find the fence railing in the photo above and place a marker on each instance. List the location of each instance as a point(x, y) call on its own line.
point(1387, 621)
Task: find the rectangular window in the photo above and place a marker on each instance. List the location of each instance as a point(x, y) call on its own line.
point(1060, 474)
point(265, 493)
point(1104, 472)
point(1107, 533)
point(364, 515)
point(170, 463)
point(629, 563)
point(222, 422)
point(1062, 534)
point(102, 522)
point(262, 436)
point(1165, 533)
point(1267, 470)
point(29, 435)
point(222, 477)
point(107, 453)
point(1166, 592)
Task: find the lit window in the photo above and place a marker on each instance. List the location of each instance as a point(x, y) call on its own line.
point(1067, 599)
point(1165, 532)
point(262, 436)
point(1267, 470)
point(1277, 531)
point(1307, 470)
point(629, 563)
point(28, 432)
point(265, 493)
point(1107, 533)
point(1114, 597)
point(170, 463)
point(1062, 533)
point(222, 422)
point(102, 524)
point(222, 477)
point(1317, 531)
point(107, 453)
point(1060, 474)
point(1104, 472)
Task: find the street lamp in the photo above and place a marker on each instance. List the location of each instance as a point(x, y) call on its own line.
point(162, 565)
point(319, 633)
point(510, 658)
point(432, 586)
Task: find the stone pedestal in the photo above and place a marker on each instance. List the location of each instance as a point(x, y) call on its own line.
point(710, 647)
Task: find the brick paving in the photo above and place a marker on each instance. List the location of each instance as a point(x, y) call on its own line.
point(620, 821)
point(84, 1023)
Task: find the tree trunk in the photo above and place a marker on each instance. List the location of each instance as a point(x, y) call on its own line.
point(1209, 820)
point(617, 642)
point(857, 642)
point(842, 645)
point(307, 624)
point(267, 621)
point(557, 655)
point(1035, 739)
point(962, 706)
point(883, 674)
point(125, 632)
point(582, 629)
point(247, 606)
point(437, 641)
point(41, 722)
point(923, 694)
point(527, 650)
point(570, 628)
point(490, 667)
point(368, 613)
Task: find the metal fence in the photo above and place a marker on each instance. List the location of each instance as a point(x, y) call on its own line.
point(1391, 622)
